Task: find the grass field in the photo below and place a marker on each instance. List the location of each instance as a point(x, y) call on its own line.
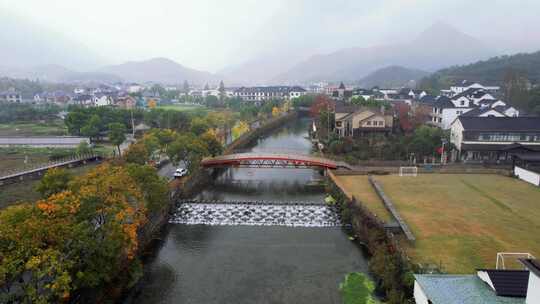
point(25, 191)
point(461, 221)
point(183, 108)
point(53, 128)
point(359, 187)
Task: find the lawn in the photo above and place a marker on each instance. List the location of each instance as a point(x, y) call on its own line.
point(359, 187)
point(183, 108)
point(52, 128)
point(461, 221)
point(25, 191)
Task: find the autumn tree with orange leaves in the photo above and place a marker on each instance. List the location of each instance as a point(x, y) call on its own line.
point(81, 237)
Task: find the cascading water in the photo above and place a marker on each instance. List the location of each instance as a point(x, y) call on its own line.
point(292, 214)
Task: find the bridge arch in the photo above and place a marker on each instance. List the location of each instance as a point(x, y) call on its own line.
point(271, 160)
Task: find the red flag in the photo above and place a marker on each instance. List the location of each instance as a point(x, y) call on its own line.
point(440, 150)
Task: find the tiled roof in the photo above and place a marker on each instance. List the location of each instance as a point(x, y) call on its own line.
point(508, 283)
point(533, 265)
point(460, 289)
point(500, 123)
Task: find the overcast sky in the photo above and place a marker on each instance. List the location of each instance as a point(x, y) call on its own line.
point(211, 34)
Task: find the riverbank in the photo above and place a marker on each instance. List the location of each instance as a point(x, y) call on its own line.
point(388, 263)
point(253, 264)
point(189, 187)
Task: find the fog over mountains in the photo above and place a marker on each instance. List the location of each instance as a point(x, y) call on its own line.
point(439, 46)
point(39, 54)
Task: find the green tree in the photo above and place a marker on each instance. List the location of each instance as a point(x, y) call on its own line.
point(188, 148)
point(211, 101)
point(199, 126)
point(154, 188)
point(221, 91)
point(358, 100)
point(117, 134)
point(211, 142)
point(55, 180)
point(92, 127)
point(137, 153)
point(83, 148)
point(75, 121)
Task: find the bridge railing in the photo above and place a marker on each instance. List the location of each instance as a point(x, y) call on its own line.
point(49, 164)
point(273, 151)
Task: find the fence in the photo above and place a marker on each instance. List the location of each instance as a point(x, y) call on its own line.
point(18, 174)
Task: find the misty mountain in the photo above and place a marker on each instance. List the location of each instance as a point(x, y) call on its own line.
point(158, 70)
point(490, 72)
point(439, 46)
point(258, 70)
point(56, 73)
point(393, 77)
point(25, 45)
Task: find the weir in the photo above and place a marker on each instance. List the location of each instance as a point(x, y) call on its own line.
point(256, 213)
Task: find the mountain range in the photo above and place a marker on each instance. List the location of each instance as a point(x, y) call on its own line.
point(493, 71)
point(393, 77)
point(158, 70)
point(439, 46)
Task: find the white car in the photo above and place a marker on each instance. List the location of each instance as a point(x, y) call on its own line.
point(180, 172)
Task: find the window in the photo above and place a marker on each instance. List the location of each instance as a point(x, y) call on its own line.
point(381, 123)
point(368, 123)
point(462, 102)
point(338, 124)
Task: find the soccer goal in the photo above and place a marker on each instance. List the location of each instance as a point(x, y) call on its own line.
point(510, 260)
point(408, 171)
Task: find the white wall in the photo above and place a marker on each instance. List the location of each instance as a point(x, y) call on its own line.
point(528, 176)
point(456, 134)
point(419, 295)
point(533, 289)
point(450, 114)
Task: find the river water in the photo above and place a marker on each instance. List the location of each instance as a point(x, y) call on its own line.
point(255, 264)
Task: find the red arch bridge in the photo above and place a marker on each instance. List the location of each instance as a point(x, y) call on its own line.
point(272, 160)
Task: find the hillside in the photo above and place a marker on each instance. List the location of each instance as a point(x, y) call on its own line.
point(158, 70)
point(491, 72)
point(56, 73)
point(393, 77)
point(430, 50)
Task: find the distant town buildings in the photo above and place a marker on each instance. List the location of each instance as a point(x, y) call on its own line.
point(11, 95)
point(262, 93)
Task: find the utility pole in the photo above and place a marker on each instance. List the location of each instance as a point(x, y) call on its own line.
point(443, 159)
point(132, 124)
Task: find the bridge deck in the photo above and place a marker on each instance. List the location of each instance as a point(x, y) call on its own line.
point(48, 166)
point(271, 160)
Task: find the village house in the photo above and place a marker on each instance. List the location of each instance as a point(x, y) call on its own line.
point(472, 102)
point(11, 95)
point(355, 121)
point(126, 102)
point(489, 286)
point(494, 139)
point(466, 85)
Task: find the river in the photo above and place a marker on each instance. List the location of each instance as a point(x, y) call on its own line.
point(254, 264)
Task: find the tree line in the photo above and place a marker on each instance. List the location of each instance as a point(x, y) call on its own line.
point(17, 112)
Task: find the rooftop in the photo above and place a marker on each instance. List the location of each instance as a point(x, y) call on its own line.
point(500, 123)
point(461, 289)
